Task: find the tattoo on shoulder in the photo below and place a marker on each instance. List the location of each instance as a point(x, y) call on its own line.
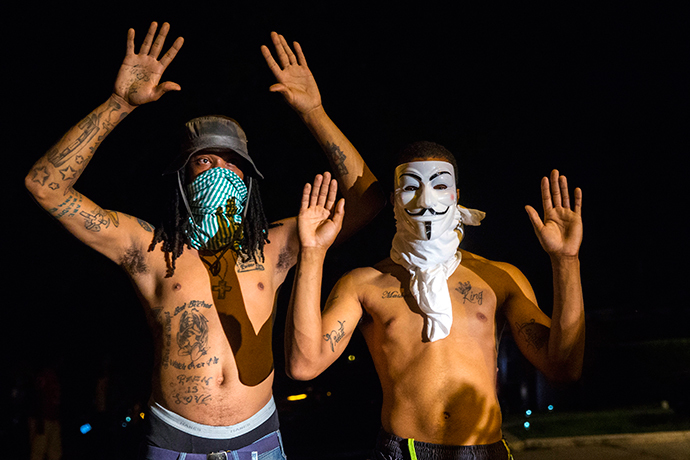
point(145, 225)
point(335, 336)
point(337, 157)
point(534, 334)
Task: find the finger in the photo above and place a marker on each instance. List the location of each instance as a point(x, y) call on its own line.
point(332, 193)
point(283, 59)
point(292, 60)
point(546, 194)
point(160, 40)
point(306, 191)
point(565, 200)
point(301, 60)
point(316, 189)
point(146, 46)
point(323, 192)
point(172, 52)
point(268, 57)
point(130, 42)
point(555, 190)
point(578, 201)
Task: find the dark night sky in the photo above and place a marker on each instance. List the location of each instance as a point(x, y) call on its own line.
point(599, 92)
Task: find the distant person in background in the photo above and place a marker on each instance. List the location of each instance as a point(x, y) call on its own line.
point(45, 431)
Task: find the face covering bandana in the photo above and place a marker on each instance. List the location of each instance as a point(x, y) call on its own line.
point(217, 199)
point(429, 229)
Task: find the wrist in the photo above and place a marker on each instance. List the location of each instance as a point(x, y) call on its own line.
point(313, 253)
point(314, 116)
point(126, 106)
point(564, 262)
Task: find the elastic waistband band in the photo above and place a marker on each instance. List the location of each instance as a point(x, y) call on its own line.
point(209, 431)
point(405, 448)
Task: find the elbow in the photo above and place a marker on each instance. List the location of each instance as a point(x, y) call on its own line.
point(301, 369)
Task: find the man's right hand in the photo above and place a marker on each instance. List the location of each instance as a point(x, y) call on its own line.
point(317, 229)
point(138, 80)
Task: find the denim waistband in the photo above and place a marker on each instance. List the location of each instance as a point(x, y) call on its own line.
point(251, 452)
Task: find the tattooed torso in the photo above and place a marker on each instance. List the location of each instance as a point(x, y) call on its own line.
point(447, 388)
point(212, 330)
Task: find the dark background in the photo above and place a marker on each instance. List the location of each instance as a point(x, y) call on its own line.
point(599, 92)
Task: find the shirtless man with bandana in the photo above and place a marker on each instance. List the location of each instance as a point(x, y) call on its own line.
point(210, 307)
point(434, 341)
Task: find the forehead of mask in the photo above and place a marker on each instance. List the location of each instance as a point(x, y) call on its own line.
point(425, 182)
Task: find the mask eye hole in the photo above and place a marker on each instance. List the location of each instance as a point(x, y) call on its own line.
point(440, 187)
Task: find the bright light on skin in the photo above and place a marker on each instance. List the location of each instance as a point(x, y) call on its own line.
point(297, 397)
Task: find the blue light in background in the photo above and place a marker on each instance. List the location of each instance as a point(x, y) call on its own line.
point(85, 428)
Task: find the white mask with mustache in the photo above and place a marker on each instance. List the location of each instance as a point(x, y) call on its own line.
point(426, 242)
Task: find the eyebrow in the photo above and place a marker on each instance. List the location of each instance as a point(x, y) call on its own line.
point(438, 174)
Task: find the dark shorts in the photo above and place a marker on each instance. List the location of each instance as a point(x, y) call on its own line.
point(392, 447)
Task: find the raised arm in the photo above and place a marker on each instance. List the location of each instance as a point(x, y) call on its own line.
point(557, 351)
point(314, 340)
point(363, 195)
point(51, 180)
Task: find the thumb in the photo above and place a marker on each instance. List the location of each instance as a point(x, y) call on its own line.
point(339, 213)
point(164, 88)
point(534, 218)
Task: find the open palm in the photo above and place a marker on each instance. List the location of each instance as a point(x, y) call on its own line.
point(560, 233)
point(138, 80)
point(316, 227)
point(295, 81)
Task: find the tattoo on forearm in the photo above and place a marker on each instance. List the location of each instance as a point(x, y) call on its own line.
point(337, 157)
point(533, 333)
point(335, 336)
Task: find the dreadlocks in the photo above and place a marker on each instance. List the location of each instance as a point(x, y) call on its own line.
point(172, 231)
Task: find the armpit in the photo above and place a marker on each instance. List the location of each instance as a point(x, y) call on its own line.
point(133, 261)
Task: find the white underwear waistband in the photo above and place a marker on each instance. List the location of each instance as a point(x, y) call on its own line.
point(209, 431)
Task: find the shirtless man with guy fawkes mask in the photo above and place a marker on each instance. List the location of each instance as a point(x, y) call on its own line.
point(434, 343)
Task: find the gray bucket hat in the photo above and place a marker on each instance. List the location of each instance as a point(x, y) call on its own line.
point(212, 132)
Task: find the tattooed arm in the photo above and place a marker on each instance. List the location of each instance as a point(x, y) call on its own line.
point(52, 178)
point(312, 340)
point(556, 346)
point(363, 195)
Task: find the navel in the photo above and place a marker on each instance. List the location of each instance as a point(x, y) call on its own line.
point(177, 287)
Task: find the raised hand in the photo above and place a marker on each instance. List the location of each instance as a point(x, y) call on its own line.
point(295, 81)
point(560, 233)
point(317, 229)
point(138, 80)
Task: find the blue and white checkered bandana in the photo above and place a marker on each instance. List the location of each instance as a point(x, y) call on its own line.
point(217, 199)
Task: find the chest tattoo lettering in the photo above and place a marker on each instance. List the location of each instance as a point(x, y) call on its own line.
point(468, 295)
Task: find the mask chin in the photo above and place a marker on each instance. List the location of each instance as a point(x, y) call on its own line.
point(425, 228)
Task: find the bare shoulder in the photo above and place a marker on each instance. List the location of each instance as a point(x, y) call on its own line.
point(508, 275)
